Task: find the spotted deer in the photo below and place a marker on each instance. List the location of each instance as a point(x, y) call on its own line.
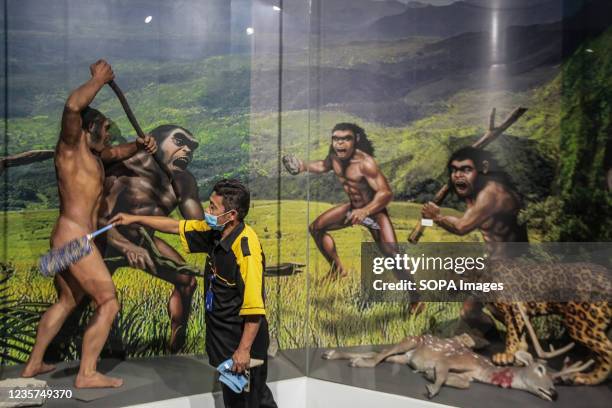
point(452, 362)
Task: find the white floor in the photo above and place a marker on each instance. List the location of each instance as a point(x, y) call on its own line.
point(306, 393)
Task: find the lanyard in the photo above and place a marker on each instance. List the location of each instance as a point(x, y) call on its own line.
point(209, 294)
point(210, 297)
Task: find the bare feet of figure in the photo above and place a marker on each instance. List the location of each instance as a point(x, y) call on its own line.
point(416, 308)
point(335, 274)
point(97, 380)
point(32, 370)
point(177, 339)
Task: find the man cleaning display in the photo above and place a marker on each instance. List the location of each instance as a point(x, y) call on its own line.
point(236, 325)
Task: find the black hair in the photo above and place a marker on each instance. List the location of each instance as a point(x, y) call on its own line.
point(162, 132)
point(236, 196)
point(93, 116)
point(361, 138)
point(479, 156)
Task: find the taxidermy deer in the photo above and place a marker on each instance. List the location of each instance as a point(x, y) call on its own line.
point(452, 362)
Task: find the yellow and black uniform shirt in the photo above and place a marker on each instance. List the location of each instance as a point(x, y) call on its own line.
point(234, 273)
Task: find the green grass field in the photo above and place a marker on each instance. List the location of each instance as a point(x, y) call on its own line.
point(303, 309)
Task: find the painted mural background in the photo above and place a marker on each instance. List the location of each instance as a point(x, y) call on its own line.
point(254, 80)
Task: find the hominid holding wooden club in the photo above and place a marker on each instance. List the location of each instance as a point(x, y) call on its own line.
point(83, 146)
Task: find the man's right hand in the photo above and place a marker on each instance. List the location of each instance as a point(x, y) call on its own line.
point(148, 143)
point(102, 71)
point(139, 257)
point(292, 164)
point(122, 219)
point(430, 210)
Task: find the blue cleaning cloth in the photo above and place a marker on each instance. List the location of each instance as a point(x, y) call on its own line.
point(236, 382)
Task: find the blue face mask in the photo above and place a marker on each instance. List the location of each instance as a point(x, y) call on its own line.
point(212, 220)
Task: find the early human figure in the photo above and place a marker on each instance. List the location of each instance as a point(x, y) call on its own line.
point(351, 157)
point(139, 186)
point(82, 148)
point(492, 204)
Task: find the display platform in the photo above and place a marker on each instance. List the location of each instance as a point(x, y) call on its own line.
point(401, 380)
point(152, 379)
point(188, 381)
point(306, 392)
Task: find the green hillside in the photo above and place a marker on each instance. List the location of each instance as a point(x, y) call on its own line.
point(580, 208)
point(302, 309)
point(568, 118)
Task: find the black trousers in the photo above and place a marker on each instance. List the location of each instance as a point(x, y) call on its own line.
point(259, 396)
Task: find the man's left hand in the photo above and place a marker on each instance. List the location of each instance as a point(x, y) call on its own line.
point(148, 143)
point(430, 210)
point(357, 216)
point(241, 360)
